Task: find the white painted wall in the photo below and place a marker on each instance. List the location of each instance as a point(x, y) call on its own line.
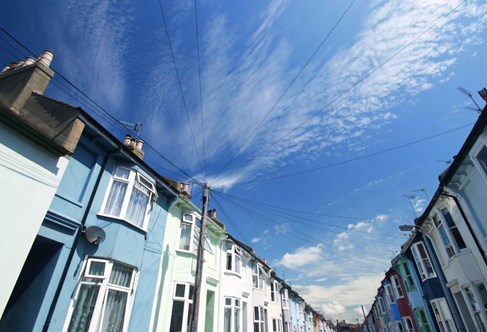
point(29, 178)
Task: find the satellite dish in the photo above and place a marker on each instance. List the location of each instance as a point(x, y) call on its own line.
point(95, 234)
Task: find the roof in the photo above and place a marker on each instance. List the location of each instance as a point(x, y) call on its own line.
point(458, 160)
point(50, 123)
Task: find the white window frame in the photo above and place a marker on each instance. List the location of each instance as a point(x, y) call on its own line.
point(273, 291)
point(396, 284)
point(187, 300)
point(234, 253)
point(189, 218)
point(408, 324)
point(382, 308)
point(257, 276)
point(235, 306)
point(389, 294)
point(135, 181)
point(285, 299)
point(480, 164)
point(476, 307)
point(105, 286)
point(422, 263)
point(451, 228)
point(442, 314)
point(259, 319)
point(409, 280)
point(276, 325)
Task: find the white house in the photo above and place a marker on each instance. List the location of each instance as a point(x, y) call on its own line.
point(37, 136)
point(456, 223)
point(173, 304)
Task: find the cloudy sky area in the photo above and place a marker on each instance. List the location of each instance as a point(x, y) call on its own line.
point(320, 126)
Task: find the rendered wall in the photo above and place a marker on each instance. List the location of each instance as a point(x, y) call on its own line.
point(29, 176)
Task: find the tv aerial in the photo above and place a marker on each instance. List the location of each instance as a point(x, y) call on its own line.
point(469, 94)
point(136, 126)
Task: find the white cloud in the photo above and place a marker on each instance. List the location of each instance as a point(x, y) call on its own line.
point(301, 257)
point(347, 294)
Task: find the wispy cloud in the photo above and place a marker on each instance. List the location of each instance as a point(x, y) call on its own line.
point(251, 89)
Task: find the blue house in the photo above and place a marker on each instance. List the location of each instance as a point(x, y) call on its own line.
point(94, 262)
point(437, 297)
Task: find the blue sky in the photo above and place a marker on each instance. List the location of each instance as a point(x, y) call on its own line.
point(362, 121)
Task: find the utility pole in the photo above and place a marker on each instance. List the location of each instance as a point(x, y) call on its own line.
point(199, 262)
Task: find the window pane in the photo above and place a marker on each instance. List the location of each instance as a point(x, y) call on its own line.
point(114, 311)
point(229, 261)
point(115, 198)
point(121, 275)
point(237, 320)
point(180, 290)
point(122, 173)
point(83, 310)
point(177, 316)
point(458, 238)
point(482, 158)
point(227, 320)
point(137, 207)
point(97, 268)
point(185, 239)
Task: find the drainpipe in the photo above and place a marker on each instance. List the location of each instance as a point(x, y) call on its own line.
point(469, 226)
point(75, 242)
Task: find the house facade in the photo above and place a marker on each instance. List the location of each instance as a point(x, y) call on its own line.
point(37, 136)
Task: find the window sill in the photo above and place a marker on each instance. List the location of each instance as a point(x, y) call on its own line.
point(232, 273)
point(106, 216)
point(186, 252)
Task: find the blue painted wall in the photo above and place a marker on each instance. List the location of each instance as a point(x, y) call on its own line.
point(61, 230)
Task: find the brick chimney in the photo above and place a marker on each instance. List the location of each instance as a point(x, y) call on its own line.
point(19, 79)
point(483, 94)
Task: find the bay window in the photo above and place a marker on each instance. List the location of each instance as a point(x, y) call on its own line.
point(129, 197)
point(422, 260)
point(103, 298)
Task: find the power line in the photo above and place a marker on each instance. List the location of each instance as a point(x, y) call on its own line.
point(227, 217)
point(286, 90)
point(296, 219)
point(299, 235)
point(360, 81)
point(357, 158)
point(179, 83)
point(97, 106)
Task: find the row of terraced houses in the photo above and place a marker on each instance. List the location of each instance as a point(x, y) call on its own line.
point(94, 239)
point(438, 280)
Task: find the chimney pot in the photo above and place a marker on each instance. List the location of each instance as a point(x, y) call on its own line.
point(139, 143)
point(185, 190)
point(6, 68)
point(127, 140)
point(483, 94)
point(46, 57)
point(29, 60)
